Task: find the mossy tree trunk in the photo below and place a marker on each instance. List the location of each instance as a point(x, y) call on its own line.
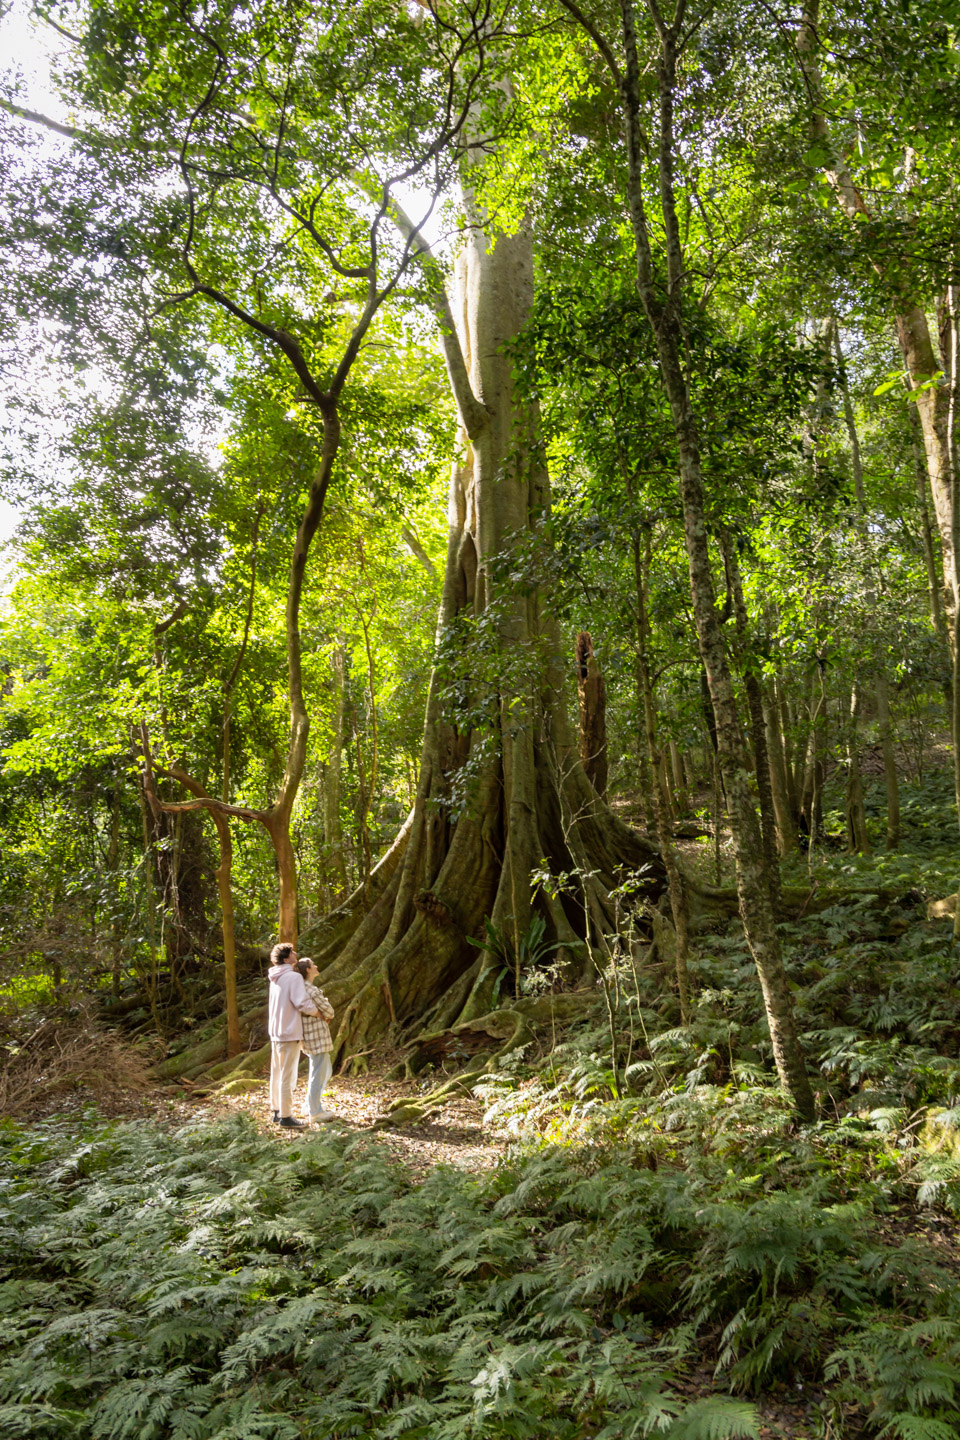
point(661, 297)
point(502, 790)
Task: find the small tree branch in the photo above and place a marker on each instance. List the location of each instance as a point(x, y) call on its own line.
point(181, 609)
point(202, 800)
point(599, 40)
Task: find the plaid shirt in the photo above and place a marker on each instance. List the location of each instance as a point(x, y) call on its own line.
point(316, 1031)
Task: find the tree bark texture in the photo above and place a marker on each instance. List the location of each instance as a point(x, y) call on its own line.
point(592, 695)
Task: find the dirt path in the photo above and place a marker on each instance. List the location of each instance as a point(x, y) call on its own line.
point(119, 1083)
point(454, 1137)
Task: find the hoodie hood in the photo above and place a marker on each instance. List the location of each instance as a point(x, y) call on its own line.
point(276, 971)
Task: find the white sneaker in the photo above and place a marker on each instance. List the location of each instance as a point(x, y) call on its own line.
point(322, 1116)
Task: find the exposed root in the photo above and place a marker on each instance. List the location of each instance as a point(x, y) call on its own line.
point(207, 1056)
point(482, 1044)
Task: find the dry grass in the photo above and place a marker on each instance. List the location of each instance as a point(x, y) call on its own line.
point(64, 1054)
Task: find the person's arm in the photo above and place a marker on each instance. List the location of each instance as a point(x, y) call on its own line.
point(322, 1003)
point(299, 996)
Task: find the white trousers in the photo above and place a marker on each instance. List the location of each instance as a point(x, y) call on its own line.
point(284, 1061)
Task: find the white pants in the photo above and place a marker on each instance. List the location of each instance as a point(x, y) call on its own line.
point(321, 1068)
point(284, 1061)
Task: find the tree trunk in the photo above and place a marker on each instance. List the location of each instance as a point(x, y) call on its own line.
point(782, 807)
point(889, 762)
point(113, 870)
point(592, 695)
point(661, 801)
point(751, 683)
point(334, 863)
point(225, 890)
point(679, 780)
point(666, 787)
point(812, 777)
point(934, 571)
point(857, 836)
point(663, 312)
point(493, 803)
point(794, 738)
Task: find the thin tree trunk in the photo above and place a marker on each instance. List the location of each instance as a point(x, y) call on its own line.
point(334, 861)
point(857, 836)
point(751, 684)
point(795, 737)
point(782, 807)
point(678, 898)
point(952, 361)
point(151, 917)
point(934, 571)
point(664, 316)
point(592, 695)
point(679, 780)
point(717, 822)
point(810, 790)
point(113, 870)
point(883, 706)
point(889, 762)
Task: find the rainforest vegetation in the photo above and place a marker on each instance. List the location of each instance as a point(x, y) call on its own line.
point(484, 496)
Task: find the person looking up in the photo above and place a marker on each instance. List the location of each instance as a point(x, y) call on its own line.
point(317, 1044)
point(288, 1003)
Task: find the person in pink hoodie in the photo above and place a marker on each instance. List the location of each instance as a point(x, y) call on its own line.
point(289, 1001)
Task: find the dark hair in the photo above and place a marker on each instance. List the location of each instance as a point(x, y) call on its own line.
point(281, 953)
point(304, 966)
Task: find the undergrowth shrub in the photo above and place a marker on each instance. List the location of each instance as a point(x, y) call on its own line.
point(214, 1284)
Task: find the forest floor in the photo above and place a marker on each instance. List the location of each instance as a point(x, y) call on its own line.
point(602, 1233)
point(454, 1136)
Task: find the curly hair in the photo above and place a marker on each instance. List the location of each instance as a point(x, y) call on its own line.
point(281, 953)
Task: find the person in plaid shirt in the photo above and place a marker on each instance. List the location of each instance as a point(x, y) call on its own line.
point(317, 1043)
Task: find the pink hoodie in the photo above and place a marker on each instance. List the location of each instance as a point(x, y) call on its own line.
point(288, 997)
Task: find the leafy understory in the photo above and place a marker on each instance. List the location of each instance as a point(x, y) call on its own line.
point(212, 1283)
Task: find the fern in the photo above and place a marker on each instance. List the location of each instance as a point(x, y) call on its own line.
point(718, 1418)
point(915, 1427)
point(208, 1284)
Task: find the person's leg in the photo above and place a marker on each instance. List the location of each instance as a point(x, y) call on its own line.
point(321, 1068)
point(289, 1060)
point(275, 1066)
